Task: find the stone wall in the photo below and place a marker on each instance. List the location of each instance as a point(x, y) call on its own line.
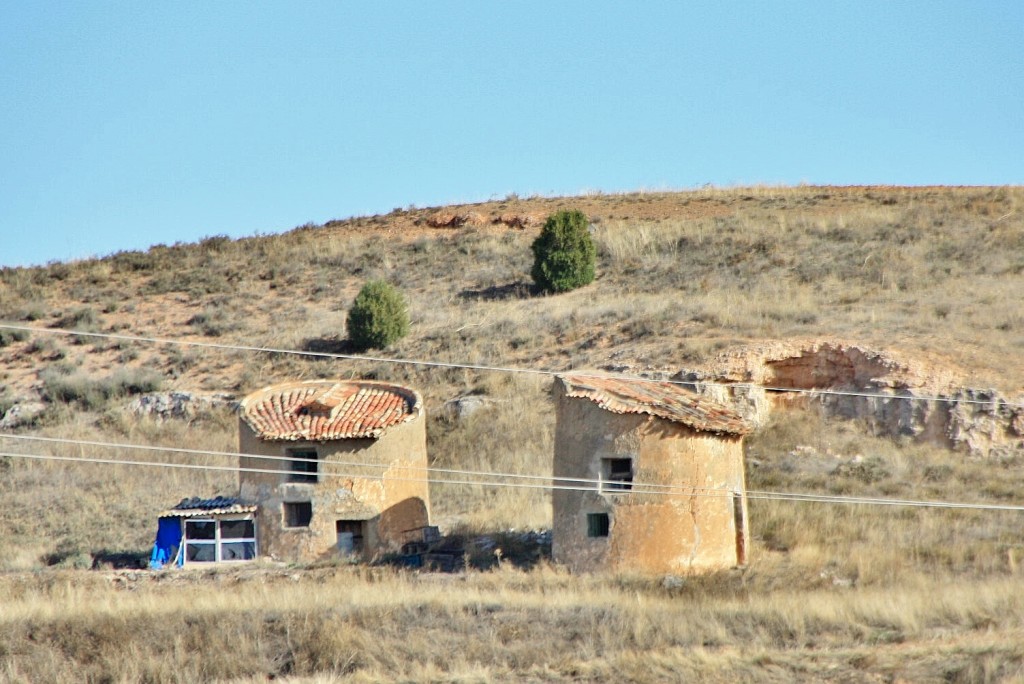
point(391, 495)
point(676, 533)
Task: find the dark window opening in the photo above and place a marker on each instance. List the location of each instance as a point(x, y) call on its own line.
point(298, 514)
point(351, 535)
point(617, 473)
point(237, 550)
point(201, 529)
point(597, 525)
point(304, 465)
point(200, 553)
point(237, 529)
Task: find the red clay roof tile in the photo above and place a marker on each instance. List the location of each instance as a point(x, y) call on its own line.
point(322, 410)
point(661, 399)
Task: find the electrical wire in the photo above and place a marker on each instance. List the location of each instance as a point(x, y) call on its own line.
point(637, 488)
point(332, 462)
point(506, 369)
point(595, 483)
point(591, 484)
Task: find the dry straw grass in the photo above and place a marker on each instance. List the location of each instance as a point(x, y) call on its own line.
point(382, 626)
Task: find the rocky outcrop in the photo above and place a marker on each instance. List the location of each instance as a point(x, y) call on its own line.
point(178, 405)
point(447, 219)
point(462, 408)
point(520, 220)
point(921, 398)
point(24, 411)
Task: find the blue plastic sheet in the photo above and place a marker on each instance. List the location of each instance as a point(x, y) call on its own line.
point(168, 543)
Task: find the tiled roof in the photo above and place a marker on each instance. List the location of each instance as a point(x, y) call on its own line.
point(189, 508)
point(321, 410)
point(661, 399)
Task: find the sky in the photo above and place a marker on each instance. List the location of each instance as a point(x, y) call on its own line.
point(128, 124)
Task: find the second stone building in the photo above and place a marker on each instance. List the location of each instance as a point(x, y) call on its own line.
point(649, 478)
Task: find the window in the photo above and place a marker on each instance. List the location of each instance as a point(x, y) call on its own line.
point(597, 524)
point(298, 513)
point(237, 539)
point(303, 465)
point(616, 474)
point(211, 540)
point(351, 534)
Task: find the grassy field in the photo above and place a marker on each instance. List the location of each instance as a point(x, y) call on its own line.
point(833, 592)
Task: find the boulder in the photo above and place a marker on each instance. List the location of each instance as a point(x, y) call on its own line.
point(178, 405)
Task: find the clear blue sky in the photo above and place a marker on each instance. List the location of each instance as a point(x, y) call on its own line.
point(125, 124)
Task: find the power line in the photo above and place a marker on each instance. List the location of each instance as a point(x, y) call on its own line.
point(637, 490)
point(358, 464)
point(505, 369)
point(595, 483)
point(704, 492)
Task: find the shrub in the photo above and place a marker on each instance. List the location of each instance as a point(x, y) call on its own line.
point(84, 319)
point(94, 394)
point(564, 253)
point(11, 336)
point(378, 317)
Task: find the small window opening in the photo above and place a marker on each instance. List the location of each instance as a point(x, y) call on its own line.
point(304, 465)
point(351, 535)
point(298, 513)
point(597, 525)
point(617, 473)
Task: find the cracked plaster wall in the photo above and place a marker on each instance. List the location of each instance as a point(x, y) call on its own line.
point(389, 499)
point(649, 533)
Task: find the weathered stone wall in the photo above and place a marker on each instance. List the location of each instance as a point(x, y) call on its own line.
point(392, 498)
point(892, 397)
point(674, 533)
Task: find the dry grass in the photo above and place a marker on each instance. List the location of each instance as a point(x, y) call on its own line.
point(379, 625)
point(848, 593)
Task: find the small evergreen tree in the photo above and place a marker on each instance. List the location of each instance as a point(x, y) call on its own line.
point(378, 317)
point(564, 253)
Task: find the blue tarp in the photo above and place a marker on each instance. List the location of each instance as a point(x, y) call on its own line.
point(166, 548)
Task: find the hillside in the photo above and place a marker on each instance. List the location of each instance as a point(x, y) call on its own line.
point(926, 277)
point(681, 276)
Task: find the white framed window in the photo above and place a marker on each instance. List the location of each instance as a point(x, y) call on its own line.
point(213, 540)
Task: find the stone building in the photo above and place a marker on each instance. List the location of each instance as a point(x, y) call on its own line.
point(665, 488)
point(335, 467)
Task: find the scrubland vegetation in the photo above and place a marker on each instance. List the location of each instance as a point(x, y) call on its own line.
point(832, 592)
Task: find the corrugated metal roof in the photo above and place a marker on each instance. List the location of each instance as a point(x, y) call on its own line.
point(190, 508)
point(661, 399)
point(322, 410)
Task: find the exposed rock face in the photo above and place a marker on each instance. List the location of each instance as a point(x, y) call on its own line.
point(22, 412)
point(918, 398)
point(179, 405)
point(447, 219)
point(520, 220)
point(464, 407)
